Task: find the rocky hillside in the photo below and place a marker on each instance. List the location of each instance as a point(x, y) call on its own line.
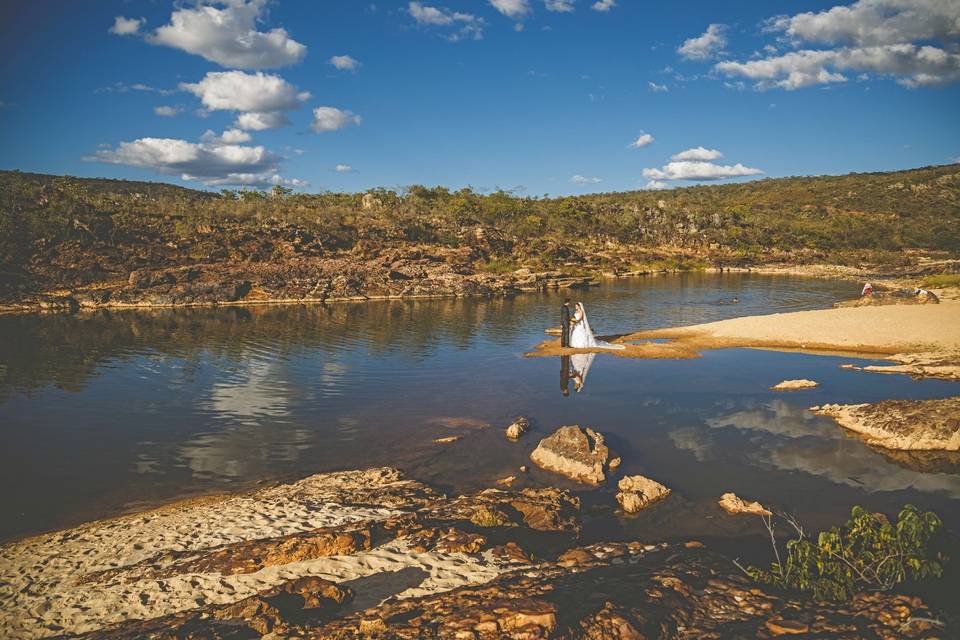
point(98, 241)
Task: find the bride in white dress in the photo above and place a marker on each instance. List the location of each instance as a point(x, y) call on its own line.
point(581, 337)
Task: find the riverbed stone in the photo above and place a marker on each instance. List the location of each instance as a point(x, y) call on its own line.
point(794, 385)
point(517, 428)
point(733, 504)
point(577, 453)
point(639, 492)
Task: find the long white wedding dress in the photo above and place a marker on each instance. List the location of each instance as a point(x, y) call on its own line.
point(582, 336)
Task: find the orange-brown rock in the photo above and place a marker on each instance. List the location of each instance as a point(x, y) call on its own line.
point(247, 556)
point(579, 454)
point(620, 591)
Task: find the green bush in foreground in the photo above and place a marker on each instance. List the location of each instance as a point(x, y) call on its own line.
point(867, 553)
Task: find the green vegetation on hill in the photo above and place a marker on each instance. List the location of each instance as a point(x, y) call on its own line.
point(66, 230)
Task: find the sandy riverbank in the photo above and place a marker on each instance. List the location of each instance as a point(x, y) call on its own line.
point(362, 554)
point(83, 579)
point(923, 340)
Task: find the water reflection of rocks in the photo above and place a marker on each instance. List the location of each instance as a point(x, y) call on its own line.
point(790, 438)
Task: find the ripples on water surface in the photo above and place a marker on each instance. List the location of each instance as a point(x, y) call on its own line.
point(108, 412)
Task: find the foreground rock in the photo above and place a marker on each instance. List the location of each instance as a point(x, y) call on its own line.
point(579, 454)
point(792, 385)
point(733, 504)
point(620, 591)
point(638, 492)
point(901, 424)
point(517, 428)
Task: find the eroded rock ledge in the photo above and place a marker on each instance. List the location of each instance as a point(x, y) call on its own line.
point(610, 591)
point(907, 425)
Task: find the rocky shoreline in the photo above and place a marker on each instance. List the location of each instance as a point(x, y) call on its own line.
point(419, 272)
point(363, 554)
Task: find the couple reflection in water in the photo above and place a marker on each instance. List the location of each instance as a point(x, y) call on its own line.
point(574, 368)
point(575, 333)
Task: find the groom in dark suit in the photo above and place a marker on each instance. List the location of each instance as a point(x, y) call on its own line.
point(565, 323)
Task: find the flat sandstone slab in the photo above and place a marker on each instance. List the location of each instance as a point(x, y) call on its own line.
point(794, 385)
point(901, 424)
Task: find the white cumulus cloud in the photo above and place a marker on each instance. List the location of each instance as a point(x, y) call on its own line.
point(657, 88)
point(697, 153)
point(126, 26)
point(698, 170)
point(512, 8)
point(167, 111)
point(642, 141)
point(343, 168)
point(705, 46)
point(212, 162)
point(332, 119)
point(261, 98)
point(225, 32)
point(894, 38)
point(559, 6)
point(603, 5)
point(875, 22)
point(345, 63)
point(578, 179)
point(461, 25)
point(230, 136)
point(261, 121)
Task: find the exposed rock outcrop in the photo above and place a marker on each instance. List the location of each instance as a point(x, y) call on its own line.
point(579, 454)
point(793, 385)
point(901, 424)
point(943, 364)
point(733, 504)
point(898, 296)
point(621, 591)
point(248, 556)
point(517, 428)
point(638, 492)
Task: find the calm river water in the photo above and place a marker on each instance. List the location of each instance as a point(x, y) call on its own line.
point(109, 412)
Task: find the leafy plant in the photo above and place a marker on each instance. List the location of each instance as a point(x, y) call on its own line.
point(868, 552)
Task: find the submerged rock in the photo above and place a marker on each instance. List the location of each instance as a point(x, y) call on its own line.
point(733, 504)
point(639, 492)
point(901, 424)
point(792, 385)
point(519, 427)
point(579, 454)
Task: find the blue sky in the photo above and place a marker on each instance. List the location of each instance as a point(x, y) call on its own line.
point(543, 96)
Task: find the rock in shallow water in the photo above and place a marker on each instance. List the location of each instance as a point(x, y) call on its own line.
point(579, 454)
point(901, 424)
point(793, 385)
point(733, 504)
point(638, 493)
point(519, 427)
